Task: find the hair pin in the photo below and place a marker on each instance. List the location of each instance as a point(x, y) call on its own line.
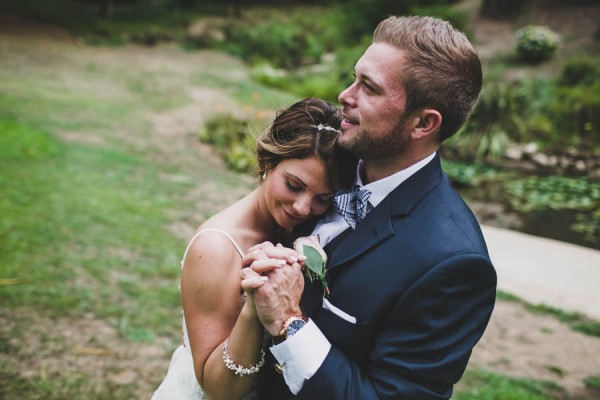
point(322, 127)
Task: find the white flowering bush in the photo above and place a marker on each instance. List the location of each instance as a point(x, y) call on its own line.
point(536, 43)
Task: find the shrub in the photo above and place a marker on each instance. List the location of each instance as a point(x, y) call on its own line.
point(536, 43)
point(504, 113)
point(576, 105)
point(274, 77)
point(579, 71)
point(592, 382)
point(458, 18)
point(234, 139)
point(467, 175)
point(287, 42)
point(360, 17)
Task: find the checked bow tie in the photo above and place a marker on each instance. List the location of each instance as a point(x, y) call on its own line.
point(352, 204)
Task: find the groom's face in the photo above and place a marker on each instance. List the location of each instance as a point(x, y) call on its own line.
point(375, 122)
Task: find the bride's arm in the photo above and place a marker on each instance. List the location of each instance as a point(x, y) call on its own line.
point(214, 311)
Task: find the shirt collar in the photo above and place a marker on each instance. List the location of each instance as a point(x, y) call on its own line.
point(381, 188)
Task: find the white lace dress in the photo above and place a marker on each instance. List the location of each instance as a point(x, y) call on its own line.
point(180, 382)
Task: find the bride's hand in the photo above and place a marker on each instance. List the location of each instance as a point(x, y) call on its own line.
point(251, 280)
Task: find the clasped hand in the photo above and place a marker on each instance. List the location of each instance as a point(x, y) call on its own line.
point(272, 279)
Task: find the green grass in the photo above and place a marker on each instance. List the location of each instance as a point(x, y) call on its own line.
point(576, 321)
point(592, 382)
point(83, 230)
point(71, 386)
point(484, 385)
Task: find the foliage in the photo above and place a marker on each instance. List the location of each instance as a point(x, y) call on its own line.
point(458, 18)
point(138, 22)
point(588, 225)
point(555, 114)
point(284, 42)
point(470, 175)
point(325, 81)
point(234, 139)
point(536, 43)
point(500, 116)
point(576, 105)
point(554, 192)
point(484, 385)
point(359, 17)
point(579, 71)
point(592, 382)
point(500, 9)
point(560, 193)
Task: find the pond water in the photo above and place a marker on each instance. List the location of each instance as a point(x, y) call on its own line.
point(491, 206)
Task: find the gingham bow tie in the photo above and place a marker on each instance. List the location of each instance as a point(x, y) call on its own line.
point(352, 204)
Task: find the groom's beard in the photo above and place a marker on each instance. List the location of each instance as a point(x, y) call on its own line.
point(367, 147)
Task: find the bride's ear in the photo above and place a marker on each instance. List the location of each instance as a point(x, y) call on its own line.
point(428, 124)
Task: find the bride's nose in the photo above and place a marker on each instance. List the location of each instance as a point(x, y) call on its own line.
point(302, 206)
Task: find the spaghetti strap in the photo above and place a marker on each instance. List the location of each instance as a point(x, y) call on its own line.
point(231, 239)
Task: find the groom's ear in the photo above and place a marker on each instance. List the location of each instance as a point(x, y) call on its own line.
point(427, 125)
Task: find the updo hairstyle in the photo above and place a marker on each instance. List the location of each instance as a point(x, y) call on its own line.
point(307, 128)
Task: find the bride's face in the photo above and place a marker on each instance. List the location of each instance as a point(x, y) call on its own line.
point(297, 190)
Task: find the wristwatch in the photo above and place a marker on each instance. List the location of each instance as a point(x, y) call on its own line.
point(292, 325)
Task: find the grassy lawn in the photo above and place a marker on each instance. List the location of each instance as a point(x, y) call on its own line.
point(103, 180)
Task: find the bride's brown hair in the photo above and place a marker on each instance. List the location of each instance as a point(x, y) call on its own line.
point(307, 128)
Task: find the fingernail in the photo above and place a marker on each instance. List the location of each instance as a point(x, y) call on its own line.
point(294, 259)
point(264, 278)
point(302, 257)
point(281, 262)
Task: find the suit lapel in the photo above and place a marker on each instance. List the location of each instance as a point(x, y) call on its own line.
point(377, 225)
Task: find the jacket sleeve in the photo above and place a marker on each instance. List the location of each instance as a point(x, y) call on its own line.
point(422, 348)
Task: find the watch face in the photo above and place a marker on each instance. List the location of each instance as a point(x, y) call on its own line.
point(294, 327)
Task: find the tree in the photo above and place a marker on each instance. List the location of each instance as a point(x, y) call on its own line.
point(106, 8)
point(502, 9)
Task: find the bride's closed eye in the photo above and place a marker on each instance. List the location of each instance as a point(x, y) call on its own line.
point(292, 187)
point(324, 199)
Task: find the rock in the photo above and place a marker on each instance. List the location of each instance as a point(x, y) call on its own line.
point(530, 148)
point(541, 159)
point(514, 152)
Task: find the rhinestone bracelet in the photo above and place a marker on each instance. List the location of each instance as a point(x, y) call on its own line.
point(239, 369)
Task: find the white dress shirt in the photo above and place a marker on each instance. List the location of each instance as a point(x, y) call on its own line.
point(297, 363)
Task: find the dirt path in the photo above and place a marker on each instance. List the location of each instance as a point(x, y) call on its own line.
point(517, 342)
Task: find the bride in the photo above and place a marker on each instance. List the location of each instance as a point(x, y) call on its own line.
point(300, 169)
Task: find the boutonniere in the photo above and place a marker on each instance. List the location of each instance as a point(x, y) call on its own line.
point(316, 259)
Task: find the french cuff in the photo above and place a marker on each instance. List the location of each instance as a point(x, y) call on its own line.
point(301, 355)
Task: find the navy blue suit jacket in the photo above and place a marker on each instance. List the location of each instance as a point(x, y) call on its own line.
point(417, 277)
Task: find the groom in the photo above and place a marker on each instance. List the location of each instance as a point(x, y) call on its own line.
point(411, 283)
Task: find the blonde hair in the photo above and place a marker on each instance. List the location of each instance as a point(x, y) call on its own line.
point(442, 69)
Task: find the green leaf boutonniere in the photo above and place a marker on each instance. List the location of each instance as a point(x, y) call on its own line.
point(316, 259)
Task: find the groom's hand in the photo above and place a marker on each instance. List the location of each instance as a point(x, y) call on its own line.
point(279, 297)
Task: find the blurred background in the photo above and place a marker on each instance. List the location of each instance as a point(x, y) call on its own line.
point(125, 124)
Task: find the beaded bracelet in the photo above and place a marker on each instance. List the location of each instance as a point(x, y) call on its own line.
point(239, 369)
